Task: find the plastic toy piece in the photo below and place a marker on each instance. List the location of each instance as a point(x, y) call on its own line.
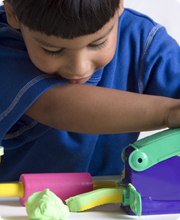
point(95, 198)
point(158, 180)
point(133, 199)
point(154, 149)
point(64, 185)
point(12, 190)
point(1, 152)
point(126, 195)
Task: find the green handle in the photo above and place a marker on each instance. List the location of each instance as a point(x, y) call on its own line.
point(154, 149)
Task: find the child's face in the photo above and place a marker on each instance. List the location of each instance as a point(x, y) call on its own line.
point(73, 60)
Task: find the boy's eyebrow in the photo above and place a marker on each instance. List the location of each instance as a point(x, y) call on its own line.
point(44, 43)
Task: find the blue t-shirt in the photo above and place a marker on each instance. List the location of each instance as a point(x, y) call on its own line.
point(146, 60)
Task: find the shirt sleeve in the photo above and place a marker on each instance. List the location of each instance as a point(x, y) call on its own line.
point(21, 84)
point(159, 72)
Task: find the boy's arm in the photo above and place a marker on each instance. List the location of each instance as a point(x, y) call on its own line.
point(97, 110)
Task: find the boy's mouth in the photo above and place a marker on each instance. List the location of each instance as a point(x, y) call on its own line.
point(76, 81)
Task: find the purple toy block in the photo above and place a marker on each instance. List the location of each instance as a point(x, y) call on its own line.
point(159, 186)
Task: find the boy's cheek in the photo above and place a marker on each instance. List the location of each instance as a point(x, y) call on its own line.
point(108, 56)
point(44, 65)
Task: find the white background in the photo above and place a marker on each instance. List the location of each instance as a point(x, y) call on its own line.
point(165, 12)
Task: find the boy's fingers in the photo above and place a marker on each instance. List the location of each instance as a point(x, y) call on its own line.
point(173, 120)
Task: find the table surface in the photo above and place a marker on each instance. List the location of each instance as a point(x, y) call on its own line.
point(10, 209)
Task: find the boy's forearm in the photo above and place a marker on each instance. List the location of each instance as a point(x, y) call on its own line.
point(96, 110)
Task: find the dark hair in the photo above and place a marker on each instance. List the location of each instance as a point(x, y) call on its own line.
point(65, 18)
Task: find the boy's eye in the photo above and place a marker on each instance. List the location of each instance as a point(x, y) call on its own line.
point(98, 46)
point(58, 52)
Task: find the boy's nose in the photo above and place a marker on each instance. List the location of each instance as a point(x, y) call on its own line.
point(80, 69)
point(79, 66)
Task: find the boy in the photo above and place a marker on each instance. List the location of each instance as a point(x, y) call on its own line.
point(56, 57)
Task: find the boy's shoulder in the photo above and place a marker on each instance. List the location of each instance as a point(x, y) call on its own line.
point(9, 37)
point(2, 14)
point(137, 27)
point(136, 18)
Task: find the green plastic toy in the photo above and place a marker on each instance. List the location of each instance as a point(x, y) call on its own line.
point(153, 149)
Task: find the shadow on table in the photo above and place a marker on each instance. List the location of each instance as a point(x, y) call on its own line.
point(12, 203)
point(15, 218)
point(107, 211)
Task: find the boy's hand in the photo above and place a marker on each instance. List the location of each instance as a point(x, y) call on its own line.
point(173, 119)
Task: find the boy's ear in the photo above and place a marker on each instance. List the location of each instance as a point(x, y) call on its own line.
point(121, 7)
point(11, 16)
